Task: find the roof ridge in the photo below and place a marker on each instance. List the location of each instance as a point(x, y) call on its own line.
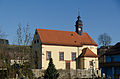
point(54, 30)
point(59, 30)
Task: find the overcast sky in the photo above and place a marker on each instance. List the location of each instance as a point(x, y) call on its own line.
point(98, 16)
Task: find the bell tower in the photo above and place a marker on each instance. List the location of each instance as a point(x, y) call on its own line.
point(79, 25)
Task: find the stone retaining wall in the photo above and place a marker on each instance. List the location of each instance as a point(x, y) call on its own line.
point(70, 74)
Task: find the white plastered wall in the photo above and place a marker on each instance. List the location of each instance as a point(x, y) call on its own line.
point(85, 62)
point(67, 55)
point(55, 56)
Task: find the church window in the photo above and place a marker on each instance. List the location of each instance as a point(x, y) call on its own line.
point(34, 41)
point(61, 56)
point(91, 63)
point(48, 55)
point(36, 33)
point(37, 40)
point(73, 56)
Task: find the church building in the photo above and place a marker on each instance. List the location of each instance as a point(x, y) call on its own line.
point(68, 49)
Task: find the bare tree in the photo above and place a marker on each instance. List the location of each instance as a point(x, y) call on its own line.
point(19, 35)
point(24, 36)
point(104, 39)
point(2, 34)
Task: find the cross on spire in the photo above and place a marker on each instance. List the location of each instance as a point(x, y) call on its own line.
point(78, 11)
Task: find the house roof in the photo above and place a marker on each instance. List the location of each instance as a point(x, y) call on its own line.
point(114, 50)
point(14, 52)
point(86, 52)
point(65, 38)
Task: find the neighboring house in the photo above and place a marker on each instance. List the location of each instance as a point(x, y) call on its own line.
point(4, 41)
point(111, 64)
point(101, 51)
point(69, 50)
point(14, 53)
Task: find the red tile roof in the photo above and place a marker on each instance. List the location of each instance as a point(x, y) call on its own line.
point(65, 38)
point(86, 52)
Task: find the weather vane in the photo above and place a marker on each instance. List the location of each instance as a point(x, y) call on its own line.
point(78, 11)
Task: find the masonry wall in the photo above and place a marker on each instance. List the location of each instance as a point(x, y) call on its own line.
point(70, 74)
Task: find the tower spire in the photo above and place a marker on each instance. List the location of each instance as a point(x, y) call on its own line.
point(79, 24)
